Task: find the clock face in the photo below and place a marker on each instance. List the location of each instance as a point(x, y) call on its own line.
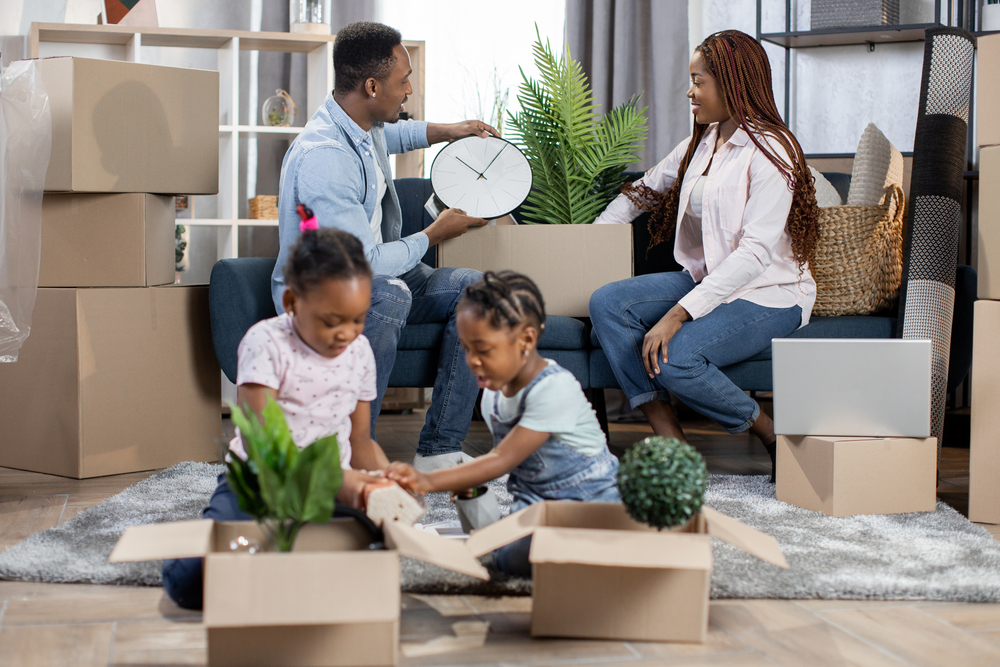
point(487, 178)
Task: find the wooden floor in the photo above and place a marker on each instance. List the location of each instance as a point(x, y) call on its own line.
point(62, 624)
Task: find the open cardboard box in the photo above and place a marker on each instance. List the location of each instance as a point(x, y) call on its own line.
point(600, 575)
point(330, 602)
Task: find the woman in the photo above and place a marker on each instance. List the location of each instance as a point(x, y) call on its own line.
point(743, 203)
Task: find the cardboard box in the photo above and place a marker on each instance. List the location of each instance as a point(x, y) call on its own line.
point(568, 262)
point(330, 602)
point(849, 475)
point(117, 240)
point(988, 91)
point(600, 575)
point(988, 266)
point(984, 445)
point(128, 127)
point(112, 381)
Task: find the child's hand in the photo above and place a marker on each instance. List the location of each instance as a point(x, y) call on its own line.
point(409, 478)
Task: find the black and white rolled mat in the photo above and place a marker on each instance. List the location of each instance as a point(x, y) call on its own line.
point(927, 291)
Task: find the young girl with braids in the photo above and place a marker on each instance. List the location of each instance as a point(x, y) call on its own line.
point(545, 433)
point(742, 202)
point(316, 364)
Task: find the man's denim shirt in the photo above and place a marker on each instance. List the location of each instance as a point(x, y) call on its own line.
point(330, 168)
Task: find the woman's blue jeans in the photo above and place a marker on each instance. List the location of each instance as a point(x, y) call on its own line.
point(624, 311)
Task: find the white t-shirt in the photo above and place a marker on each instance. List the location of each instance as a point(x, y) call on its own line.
point(556, 405)
point(376, 221)
point(317, 394)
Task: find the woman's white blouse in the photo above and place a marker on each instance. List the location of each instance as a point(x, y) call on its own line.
point(740, 249)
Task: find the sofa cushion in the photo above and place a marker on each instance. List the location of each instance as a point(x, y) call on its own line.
point(561, 333)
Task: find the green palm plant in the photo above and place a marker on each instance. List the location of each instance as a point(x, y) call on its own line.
point(281, 486)
point(577, 156)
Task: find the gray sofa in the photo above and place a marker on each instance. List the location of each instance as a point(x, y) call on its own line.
point(239, 296)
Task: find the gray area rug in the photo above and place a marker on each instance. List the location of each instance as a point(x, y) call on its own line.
point(936, 555)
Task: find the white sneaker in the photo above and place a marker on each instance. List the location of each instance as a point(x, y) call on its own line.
point(439, 461)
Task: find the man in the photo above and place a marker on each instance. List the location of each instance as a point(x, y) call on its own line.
point(339, 167)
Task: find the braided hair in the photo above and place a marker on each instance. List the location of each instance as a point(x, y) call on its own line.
point(506, 300)
point(325, 254)
point(741, 67)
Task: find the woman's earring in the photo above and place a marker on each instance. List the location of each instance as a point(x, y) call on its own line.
point(373, 94)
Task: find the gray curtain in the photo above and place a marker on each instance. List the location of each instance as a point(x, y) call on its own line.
point(636, 46)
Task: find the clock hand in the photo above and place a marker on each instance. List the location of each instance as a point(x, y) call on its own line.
point(467, 165)
point(483, 175)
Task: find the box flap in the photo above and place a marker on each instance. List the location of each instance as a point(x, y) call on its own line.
point(423, 546)
point(178, 539)
point(621, 548)
point(507, 530)
point(754, 542)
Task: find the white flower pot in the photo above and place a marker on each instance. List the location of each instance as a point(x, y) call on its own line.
point(478, 512)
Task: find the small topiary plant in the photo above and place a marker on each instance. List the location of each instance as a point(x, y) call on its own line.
point(662, 481)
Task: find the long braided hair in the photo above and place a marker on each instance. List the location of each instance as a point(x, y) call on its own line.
point(740, 66)
point(506, 300)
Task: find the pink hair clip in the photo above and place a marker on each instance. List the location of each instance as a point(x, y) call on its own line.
point(309, 221)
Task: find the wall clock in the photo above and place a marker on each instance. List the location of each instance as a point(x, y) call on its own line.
point(486, 177)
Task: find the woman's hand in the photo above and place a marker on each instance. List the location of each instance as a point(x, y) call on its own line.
point(409, 478)
point(659, 336)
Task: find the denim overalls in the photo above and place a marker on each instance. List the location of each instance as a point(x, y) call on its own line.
point(555, 471)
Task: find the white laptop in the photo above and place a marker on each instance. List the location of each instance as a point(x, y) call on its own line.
point(852, 387)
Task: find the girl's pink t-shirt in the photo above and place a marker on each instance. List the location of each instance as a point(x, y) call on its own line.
point(318, 394)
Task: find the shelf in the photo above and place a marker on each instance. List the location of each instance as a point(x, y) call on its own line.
point(849, 36)
point(228, 222)
point(281, 42)
point(260, 129)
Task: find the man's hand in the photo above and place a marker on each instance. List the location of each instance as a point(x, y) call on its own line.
point(453, 222)
point(437, 132)
point(409, 478)
point(659, 336)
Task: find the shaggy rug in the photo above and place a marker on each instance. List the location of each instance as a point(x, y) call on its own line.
point(935, 555)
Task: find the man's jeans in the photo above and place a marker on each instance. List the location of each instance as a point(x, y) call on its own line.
point(623, 312)
point(420, 296)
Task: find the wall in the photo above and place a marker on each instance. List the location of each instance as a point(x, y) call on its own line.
point(837, 91)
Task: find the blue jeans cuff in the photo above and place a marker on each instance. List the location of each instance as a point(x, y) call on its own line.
point(747, 424)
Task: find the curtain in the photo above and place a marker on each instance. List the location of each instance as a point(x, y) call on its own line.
point(636, 46)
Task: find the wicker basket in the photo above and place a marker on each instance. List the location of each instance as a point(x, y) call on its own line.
point(859, 257)
point(263, 207)
point(828, 14)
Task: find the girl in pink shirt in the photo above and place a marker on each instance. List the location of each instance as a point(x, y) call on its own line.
point(315, 362)
point(313, 358)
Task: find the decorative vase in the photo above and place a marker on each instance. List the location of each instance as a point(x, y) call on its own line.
point(278, 110)
point(309, 16)
point(991, 18)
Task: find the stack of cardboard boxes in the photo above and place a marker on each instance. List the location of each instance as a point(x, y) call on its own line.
point(832, 419)
point(984, 457)
point(118, 373)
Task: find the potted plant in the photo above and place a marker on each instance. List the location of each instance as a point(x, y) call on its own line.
point(280, 485)
point(662, 482)
point(577, 156)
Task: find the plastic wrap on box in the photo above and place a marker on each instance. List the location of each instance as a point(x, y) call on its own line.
point(25, 147)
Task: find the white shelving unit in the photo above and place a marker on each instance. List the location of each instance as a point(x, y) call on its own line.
point(128, 43)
